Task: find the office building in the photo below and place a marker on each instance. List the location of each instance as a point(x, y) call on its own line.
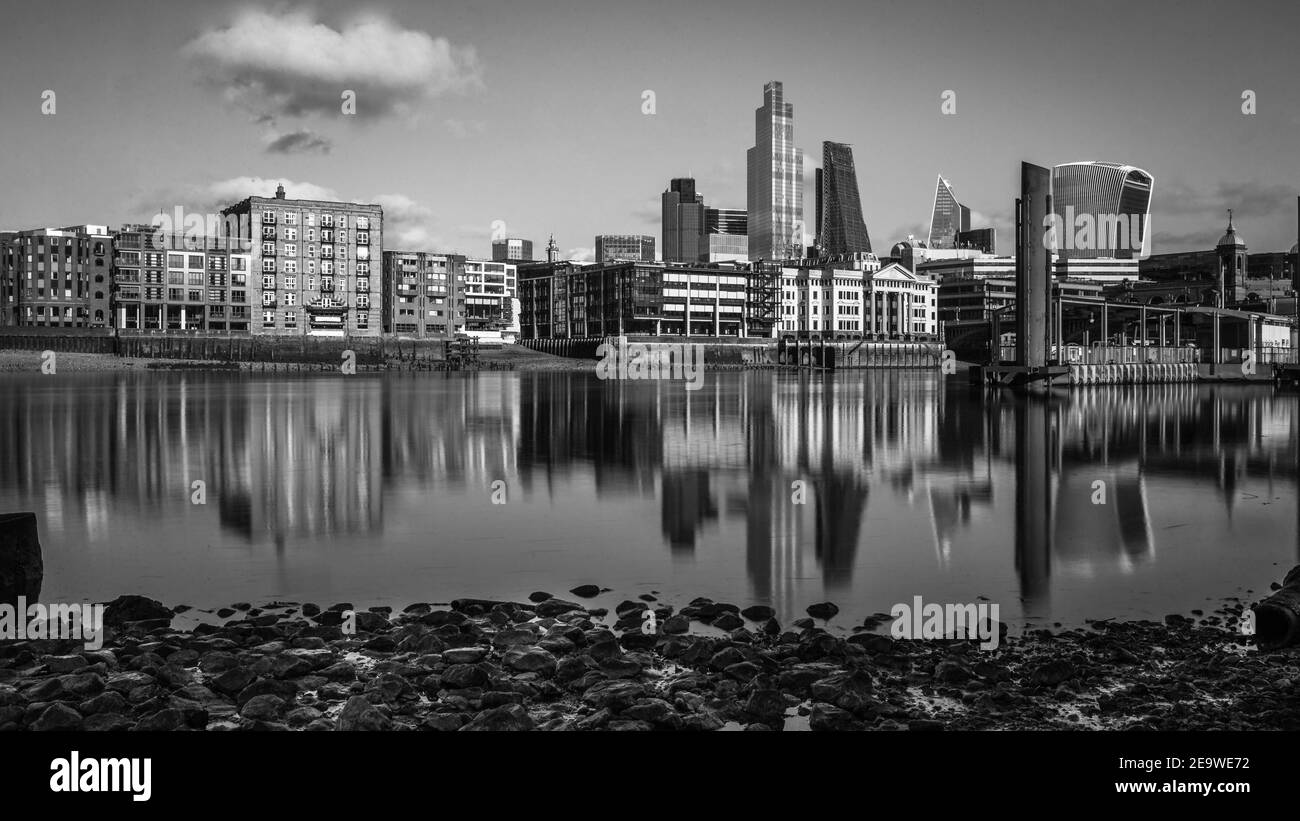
point(727, 232)
point(840, 227)
point(618, 247)
point(984, 240)
point(512, 250)
point(1101, 209)
point(855, 303)
point(56, 277)
point(683, 223)
point(774, 194)
point(313, 265)
point(948, 217)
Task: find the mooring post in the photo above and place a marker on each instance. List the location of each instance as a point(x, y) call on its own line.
point(21, 567)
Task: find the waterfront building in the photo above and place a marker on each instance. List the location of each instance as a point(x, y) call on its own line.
point(948, 217)
point(617, 247)
point(314, 264)
point(566, 300)
point(774, 192)
point(421, 294)
point(984, 240)
point(170, 280)
point(840, 227)
point(56, 277)
point(1101, 209)
point(512, 249)
point(843, 302)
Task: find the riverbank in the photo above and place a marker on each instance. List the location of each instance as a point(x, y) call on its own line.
point(512, 357)
point(554, 664)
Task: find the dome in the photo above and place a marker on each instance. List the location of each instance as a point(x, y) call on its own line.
point(899, 248)
point(1295, 248)
point(1231, 238)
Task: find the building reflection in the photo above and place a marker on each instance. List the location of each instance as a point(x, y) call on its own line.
point(811, 466)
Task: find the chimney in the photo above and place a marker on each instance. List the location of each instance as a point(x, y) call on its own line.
point(279, 192)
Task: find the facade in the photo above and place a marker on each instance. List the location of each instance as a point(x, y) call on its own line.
point(948, 217)
point(975, 300)
point(683, 223)
point(774, 193)
point(421, 294)
point(169, 281)
point(56, 278)
point(1097, 269)
point(943, 268)
point(637, 247)
point(314, 265)
point(512, 250)
point(565, 300)
point(840, 227)
point(832, 301)
point(489, 293)
point(1102, 209)
point(727, 232)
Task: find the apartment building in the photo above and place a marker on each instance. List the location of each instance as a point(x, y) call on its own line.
point(314, 264)
point(56, 277)
point(168, 281)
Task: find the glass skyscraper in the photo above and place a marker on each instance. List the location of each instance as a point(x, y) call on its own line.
point(1115, 198)
point(840, 227)
point(774, 195)
point(948, 218)
point(683, 222)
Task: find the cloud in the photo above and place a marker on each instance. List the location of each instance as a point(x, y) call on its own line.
point(211, 197)
point(651, 212)
point(407, 223)
point(581, 254)
point(286, 63)
point(302, 141)
point(1245, 198)
point(465, 128)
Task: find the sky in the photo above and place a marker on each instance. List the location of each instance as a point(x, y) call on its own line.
point(533, 114)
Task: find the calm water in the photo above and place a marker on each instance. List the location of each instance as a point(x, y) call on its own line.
point(379, 490)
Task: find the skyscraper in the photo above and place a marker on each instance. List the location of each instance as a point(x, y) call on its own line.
point(774, 195)
point(683, 223)
point(840, 227)
point(727, 232)
point(1101, 208)
point(948, 218)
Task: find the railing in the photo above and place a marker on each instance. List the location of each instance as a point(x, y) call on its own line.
point(1118, 355)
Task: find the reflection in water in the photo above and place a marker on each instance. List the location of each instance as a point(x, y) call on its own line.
point(871, 486)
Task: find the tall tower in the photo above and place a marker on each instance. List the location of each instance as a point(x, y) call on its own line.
point(948, 217)
point(840, 227)
point(774, 195)
point(683, 223)
point(1114, 198)
point(552, 250)
point(1233, 262)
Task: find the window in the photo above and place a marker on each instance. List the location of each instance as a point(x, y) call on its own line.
point(291, 283)
point(290, 218)
point(175, 261)
point(268, 248)
point(268, 319)
point(268, 282)
point(290, 298)
point(291, 249)
point(268, 265)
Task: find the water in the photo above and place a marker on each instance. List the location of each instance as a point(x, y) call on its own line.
point(379, 489)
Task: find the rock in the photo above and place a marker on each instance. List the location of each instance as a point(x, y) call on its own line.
point(676, 625)
point(514, 636)
point(825, 717)
point(509, 717)
point(586, 591)
point(82, 685)
point(390, 688)
point(445, 722)
point(232, 681)
point(530, 660)
point(616, 694)
point(134, 608)
point(360, 715)
point(368, 622)
point(161, 721)
point(728, 621)
point(464, 655)
point(725, 658)
point(21, 567)
point(302, 716)
point(951, 672)
point(758, 612)
point(1052, 673)
point(824, 611)
point(311, 610)
point(462, 676)
point(262, 708)
point(628, 607)
point(872, 642)
point(286, 690)
point(57, 717)
point(654, 711)
point(106, 702)
point(556, 607)
point(766, 705)
point(65, 664)
point(920, 724)
point(539, 596)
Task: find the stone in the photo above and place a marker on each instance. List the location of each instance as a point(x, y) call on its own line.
point(530, 660)
point(616, 694)
point(508, 717)
point(758, 612)
point(56, 717)
point(262, 708)
point(464, 655)
point(825, 717)
point(461, 676)
point(586, 591)
point(359, 715)
point(824, 611)
point(125, 609)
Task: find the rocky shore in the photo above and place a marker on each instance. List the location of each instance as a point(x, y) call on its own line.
point(553, 663)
